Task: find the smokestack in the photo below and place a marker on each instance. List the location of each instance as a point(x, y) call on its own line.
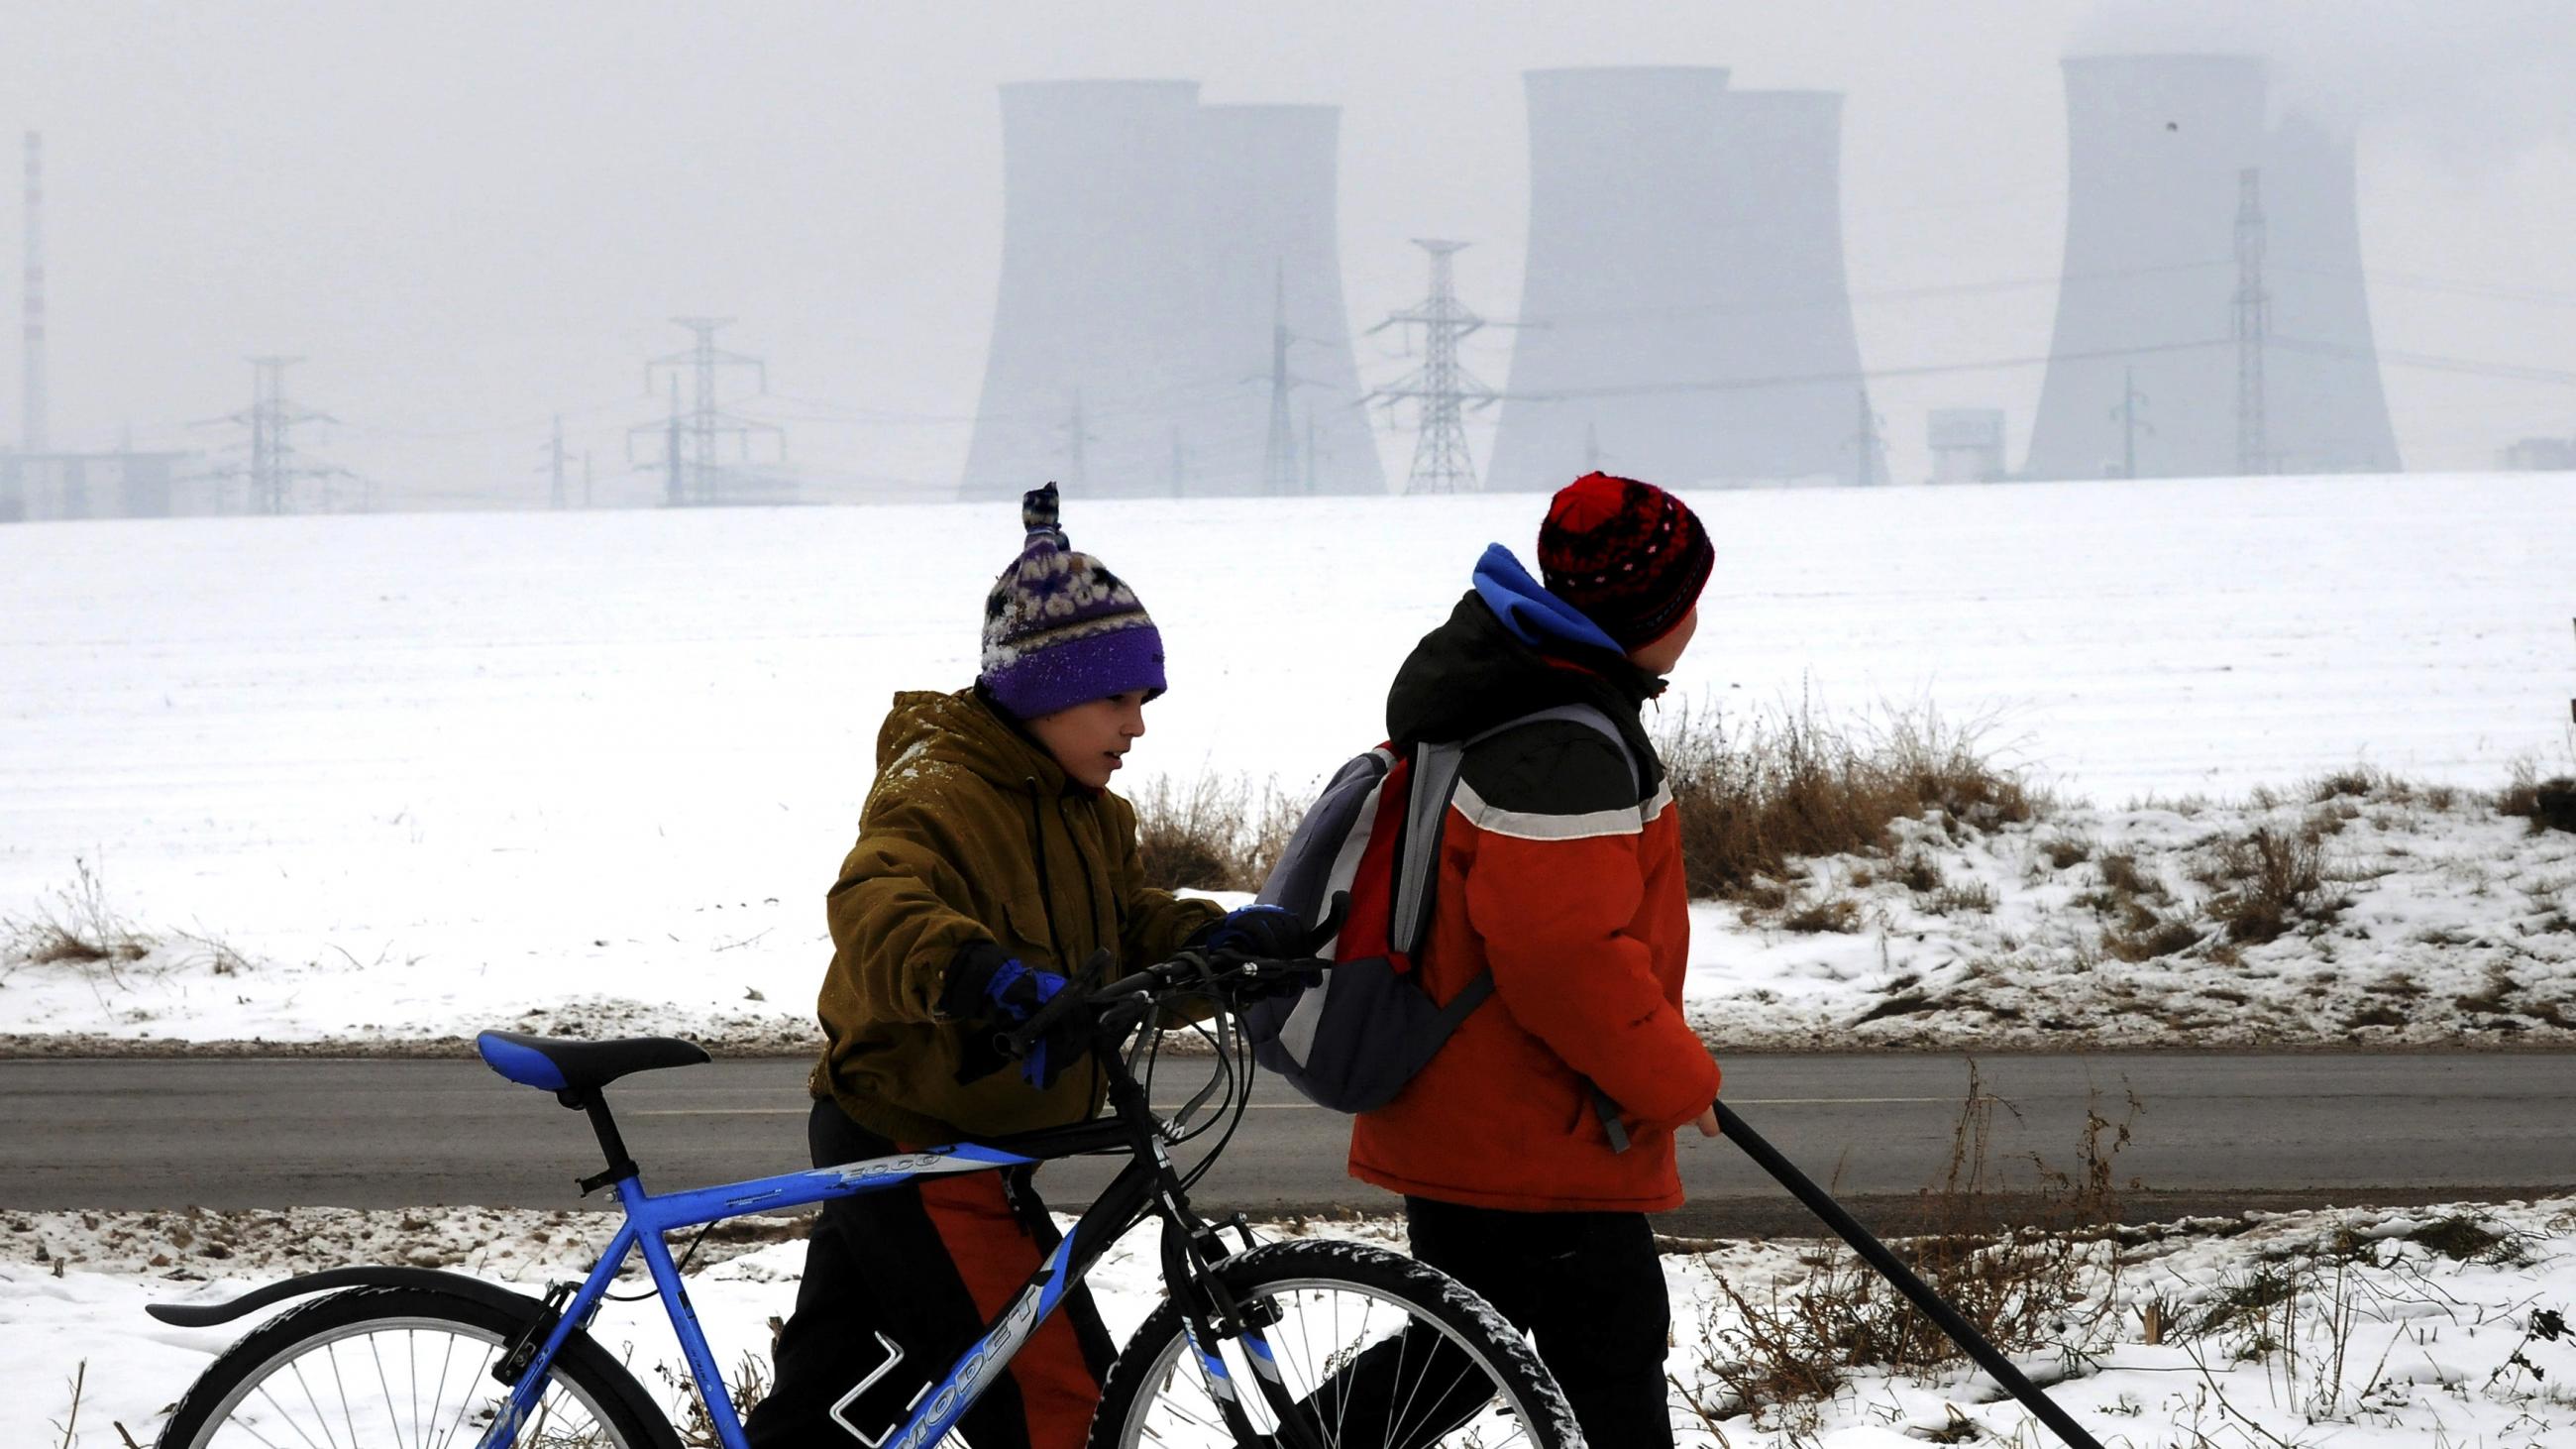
point(2155, 148)
point(32, 420)
point(1685, 251)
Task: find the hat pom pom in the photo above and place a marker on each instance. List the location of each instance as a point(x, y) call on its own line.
point(1590, 501)
point(1038, 512)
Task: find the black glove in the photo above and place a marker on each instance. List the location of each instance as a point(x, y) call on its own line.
point(984, 984)
point(1258, 930)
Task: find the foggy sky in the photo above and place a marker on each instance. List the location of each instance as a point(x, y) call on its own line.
point(471, 215)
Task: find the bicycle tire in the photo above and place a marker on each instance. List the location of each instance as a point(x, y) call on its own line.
point(591, 1401)
point(1156, 1396)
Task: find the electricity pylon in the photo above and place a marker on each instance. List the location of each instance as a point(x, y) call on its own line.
point(2253, 321)
point(1442, 385)
point(693, 439)
point(275, 465)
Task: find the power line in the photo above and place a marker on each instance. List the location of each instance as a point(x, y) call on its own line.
point(2511, 371)
point(1809, 379)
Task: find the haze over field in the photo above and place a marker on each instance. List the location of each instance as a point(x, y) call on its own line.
point(472, 217)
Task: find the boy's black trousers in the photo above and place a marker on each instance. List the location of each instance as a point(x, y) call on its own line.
point(923, 1267)
point(1588, 1289)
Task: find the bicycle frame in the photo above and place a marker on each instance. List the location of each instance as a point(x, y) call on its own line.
point(1147, 1184)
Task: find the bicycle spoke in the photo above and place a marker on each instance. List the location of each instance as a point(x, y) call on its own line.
point(386, 1389)
point(331, 1356)
point(289, 1418)
point(265, 1441)
point(321, 1421)
point(436, 1398)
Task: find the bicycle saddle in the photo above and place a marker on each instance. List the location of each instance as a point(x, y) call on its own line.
point(568, 1064)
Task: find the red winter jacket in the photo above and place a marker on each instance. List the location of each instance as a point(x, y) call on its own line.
point(1560, 871)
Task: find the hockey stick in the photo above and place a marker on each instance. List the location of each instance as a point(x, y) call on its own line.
point(1962, 1332)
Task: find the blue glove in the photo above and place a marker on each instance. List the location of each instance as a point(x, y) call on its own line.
point(983, 983)
point(1272, 932)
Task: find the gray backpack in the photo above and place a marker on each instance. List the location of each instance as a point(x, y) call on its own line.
point(1368, 850)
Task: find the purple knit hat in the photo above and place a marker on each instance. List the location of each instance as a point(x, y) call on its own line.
point(1060, 628)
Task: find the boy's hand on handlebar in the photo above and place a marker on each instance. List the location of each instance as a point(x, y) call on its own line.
point(1706, 1121)
point(1258, 930)
point(984, 983)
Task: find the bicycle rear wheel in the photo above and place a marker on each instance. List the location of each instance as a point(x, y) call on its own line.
point(402, 1368)
point(1372, 1349)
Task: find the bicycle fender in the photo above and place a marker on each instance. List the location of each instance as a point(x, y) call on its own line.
point(455, 1285)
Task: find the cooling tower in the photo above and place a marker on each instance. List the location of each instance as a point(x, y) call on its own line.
point(2155, 148)
point(1685, 262)
point(1097, 333)
point(1151, 246)
point(2324, 409)
point(1272, 260)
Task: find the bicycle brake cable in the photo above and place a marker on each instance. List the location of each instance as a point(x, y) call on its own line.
point(687, 1255)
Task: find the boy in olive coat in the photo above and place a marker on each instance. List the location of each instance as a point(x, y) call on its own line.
point(992, 862)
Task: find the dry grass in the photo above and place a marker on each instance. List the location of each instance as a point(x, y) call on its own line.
point(1220, 834)
point(1756, 794)
point(2024, 1288)
point(1751, 798)
point(77, 927)
point(750, 1385)
point(2266, 883)
point(2548, 804)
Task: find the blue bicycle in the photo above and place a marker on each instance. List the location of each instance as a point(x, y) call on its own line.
point(1288, 1345)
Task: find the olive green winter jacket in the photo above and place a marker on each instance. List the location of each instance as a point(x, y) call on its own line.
point(972, 832)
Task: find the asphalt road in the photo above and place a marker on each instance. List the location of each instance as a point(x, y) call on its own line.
point(2218, 1133)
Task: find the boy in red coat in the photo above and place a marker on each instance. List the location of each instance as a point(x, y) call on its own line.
point(1561, 872)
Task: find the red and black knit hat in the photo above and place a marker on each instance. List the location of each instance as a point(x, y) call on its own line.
point(1631, 556)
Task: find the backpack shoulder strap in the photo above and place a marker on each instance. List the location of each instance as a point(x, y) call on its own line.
point(1435, 783)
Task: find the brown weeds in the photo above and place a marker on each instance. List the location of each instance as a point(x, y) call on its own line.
point(2548, 804)
point(1754, 795)
point(2266, 883)
point(77, 928)
point(2024, 1288)
point(1221, 834)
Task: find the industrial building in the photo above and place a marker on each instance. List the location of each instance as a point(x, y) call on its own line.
point(2211, 316)
point(1967, 444)
point(2538, 455)
point(1684, 311)
point(1171, 319)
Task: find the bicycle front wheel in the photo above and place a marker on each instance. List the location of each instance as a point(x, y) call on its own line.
point(402, 1368)
point(1372, 1351)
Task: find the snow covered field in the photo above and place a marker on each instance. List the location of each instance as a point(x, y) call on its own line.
point(2356, 1328)
point(368, 778)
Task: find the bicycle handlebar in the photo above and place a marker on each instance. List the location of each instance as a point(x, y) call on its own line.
point(1123, 1003)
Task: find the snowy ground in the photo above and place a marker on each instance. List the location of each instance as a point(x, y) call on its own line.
point(2427, 923)
point(2353, 1328)
point(400, 778)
